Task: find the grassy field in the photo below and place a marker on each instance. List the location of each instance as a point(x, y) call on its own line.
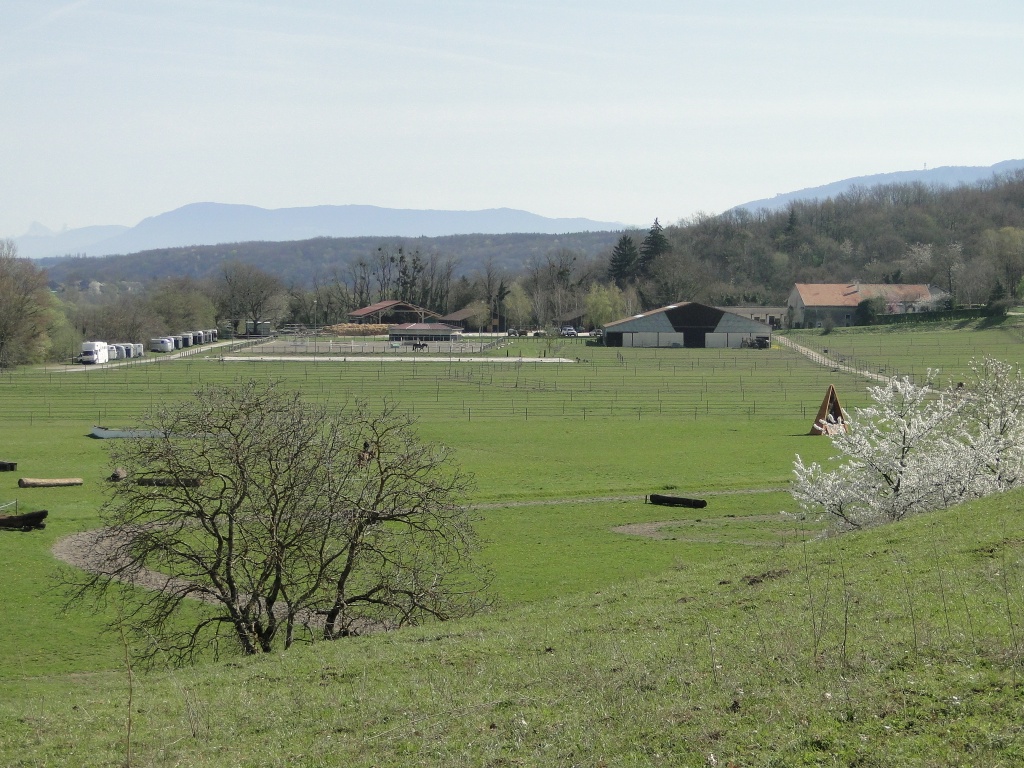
point(638, 647)
point(638, 384)
point(900, 350)
point(896, 647)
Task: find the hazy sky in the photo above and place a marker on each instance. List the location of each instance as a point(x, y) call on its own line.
point(114, 110)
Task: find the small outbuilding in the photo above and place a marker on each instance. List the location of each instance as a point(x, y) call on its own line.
point(687, 324)
point(424, 332)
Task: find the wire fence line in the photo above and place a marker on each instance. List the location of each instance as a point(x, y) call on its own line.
point(730, 384)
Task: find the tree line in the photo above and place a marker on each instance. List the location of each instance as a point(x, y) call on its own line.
point(968, 241)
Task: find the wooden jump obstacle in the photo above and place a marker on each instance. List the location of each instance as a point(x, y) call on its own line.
point(676, 501)
point(26, 521)
point(53, 482)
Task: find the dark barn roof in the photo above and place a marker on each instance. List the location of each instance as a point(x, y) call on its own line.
point(688, 315)
point(695, 321)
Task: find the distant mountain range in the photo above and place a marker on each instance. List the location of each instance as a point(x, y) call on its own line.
point(204, 224)
point(945, 176)
point(216, 223)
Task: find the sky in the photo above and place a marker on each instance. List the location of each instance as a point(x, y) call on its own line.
point(115, 110)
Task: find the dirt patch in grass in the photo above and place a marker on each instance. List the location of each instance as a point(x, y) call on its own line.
point(716, 530)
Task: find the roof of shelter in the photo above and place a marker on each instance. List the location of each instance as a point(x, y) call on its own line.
point(852, 294)
point(423, 327)
point(463, 314)
point(391, 305)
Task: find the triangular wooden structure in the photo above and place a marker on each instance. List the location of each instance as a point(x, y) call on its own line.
point(831, 418)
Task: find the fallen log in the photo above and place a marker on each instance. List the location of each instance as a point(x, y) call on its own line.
point(8, 466)
point(24, 522)
point(171, 482)
point(677, 501)
point(53, 482)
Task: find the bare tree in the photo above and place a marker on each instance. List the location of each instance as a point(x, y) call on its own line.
point(291, 522)
point(359, 274)
point(384, 269)
point(436, 282)
point(24, 308)
point(246, 292)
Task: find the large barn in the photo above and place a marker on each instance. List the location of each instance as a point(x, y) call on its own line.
point(687, 324)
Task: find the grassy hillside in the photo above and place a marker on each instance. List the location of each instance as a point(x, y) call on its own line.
point(898, 646)
point(625, 634)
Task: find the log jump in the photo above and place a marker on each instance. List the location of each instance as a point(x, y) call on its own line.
point(24, 522)
point(52, 482)
point(676, 501)
point(171, 482)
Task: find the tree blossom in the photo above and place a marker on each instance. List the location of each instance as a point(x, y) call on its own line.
point(918, 448)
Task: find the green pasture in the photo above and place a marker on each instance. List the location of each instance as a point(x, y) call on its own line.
point(600, 432)
point(598, 383)
point(902, 350)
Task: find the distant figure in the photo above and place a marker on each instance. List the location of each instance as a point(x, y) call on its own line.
point(366, 455)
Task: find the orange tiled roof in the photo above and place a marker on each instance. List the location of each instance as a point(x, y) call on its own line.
point(852, 294)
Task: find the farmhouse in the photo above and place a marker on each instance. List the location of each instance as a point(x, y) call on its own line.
point(686, 324)
point(424, 332)
point(812, 304)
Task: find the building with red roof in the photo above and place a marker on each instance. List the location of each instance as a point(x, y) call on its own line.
point(811, 304)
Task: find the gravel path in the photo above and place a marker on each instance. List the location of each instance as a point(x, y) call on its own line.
point(828, 362)
point(89, 550)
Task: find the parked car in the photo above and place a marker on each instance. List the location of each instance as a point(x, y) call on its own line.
point(540, 332)
point(568, 331)
point(514, 332)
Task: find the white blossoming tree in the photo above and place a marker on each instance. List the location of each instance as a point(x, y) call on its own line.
point(918, 448)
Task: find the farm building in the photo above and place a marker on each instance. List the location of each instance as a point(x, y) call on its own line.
point(772, 316)
point(393, 310)
point(686, 324)
point(424, 332)
point(812, 304)
point(460, 318)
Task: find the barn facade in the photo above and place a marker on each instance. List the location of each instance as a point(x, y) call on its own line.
point(687, 324)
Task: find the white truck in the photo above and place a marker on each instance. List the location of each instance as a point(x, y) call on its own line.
point(94, 352)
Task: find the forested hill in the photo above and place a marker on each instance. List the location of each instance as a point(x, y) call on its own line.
point(302, 262)
point(968, 240)
point(943, 176)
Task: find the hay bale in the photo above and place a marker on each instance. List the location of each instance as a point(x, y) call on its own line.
point(355, 329)
point(53, 482)
point(118, 475)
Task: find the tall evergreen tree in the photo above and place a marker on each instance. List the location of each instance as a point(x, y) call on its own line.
point(651, 248)
point(622, 268)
